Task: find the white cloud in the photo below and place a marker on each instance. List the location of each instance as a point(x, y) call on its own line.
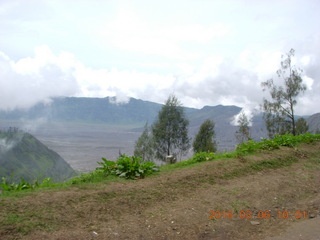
point(247, 112)
point(32, 80)
point(207, 52)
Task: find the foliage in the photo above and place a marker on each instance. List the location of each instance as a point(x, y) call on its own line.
point(170, 130)
point(23, 184)
point(279, 112)
point(144, 145)
point(301, 126)
point(107, 166)
point(203, 141)
point(243, 133)
point(90, 177)
point(287, 140)
point(127, 167)
point(203, 156)
point(24, 156)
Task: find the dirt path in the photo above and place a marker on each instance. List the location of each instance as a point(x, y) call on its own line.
point(177, 205)
point(309, 229)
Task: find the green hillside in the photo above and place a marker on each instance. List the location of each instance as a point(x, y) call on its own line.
point(22, 155)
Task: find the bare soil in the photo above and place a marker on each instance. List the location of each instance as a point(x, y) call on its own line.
point(267, 204)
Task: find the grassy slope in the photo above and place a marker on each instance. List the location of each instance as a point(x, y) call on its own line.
point(175, 203)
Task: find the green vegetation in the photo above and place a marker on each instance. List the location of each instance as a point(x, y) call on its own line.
point(144, 145)
point(127, 167)
point(203, 156)
point(24, 156)
point(23, 184)
point(286, 140)
point(279, 112)
point(204, 139)
point(301, 126)
point(170, 130)
point(243, 133)
point(168, 135)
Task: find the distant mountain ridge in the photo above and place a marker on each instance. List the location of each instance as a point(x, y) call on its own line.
point(137, 112)
point(103, 110)
point(314, 122)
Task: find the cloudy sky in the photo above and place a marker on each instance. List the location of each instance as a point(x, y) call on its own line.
point(206, 52)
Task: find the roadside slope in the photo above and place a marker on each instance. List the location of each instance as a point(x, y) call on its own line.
point(176, 204)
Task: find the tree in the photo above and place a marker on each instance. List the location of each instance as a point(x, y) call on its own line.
point(170, 132)
point(204, 138)
point(243, 133)
point(144, 145)
point(301, 126)
point(279, 112)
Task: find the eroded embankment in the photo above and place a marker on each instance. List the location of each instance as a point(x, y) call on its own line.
point(176, 204)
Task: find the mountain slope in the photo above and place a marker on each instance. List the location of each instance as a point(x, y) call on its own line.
point(314, 122)
point(22, 155)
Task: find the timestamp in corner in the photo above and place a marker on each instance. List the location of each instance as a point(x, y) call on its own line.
point(257, 214)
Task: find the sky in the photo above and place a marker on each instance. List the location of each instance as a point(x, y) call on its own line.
point(205, 52)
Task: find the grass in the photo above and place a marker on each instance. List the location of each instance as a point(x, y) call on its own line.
point(239, 206)
point(102, 174)
point(257, 166)
point(19, 218)
point(26, 221)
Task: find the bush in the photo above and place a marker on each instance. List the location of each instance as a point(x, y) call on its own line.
point(128, 167)
point(278, 141)
point(203, 156)
point(93, 176)
point(23, 184)
point(107, 166)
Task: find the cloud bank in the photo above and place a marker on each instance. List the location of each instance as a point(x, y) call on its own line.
point(205, 52)
point(217, 81)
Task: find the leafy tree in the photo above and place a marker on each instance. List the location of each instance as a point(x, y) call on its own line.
point(243, 133)
point(170, 132)
point(144, 145)
point(204, 139)
point(279, 112)
point(301, 126)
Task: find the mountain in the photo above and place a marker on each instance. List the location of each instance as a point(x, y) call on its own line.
point(134, 113)
point(104, 110)
point(22, 155)
point(314, 123)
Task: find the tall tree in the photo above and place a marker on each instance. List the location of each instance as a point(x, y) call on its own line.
point(144, 145)
point(170, 132)
point(279, 111)
point(243, 133)
point(204, 139)
point(301, 126)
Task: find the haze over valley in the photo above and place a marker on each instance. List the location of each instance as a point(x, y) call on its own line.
point(83, 130)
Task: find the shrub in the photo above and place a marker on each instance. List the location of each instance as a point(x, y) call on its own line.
point(203, 156)
point(107, 166)
point(287, 140)
point(93, 176)
point(128, 167)
point(23, 184)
